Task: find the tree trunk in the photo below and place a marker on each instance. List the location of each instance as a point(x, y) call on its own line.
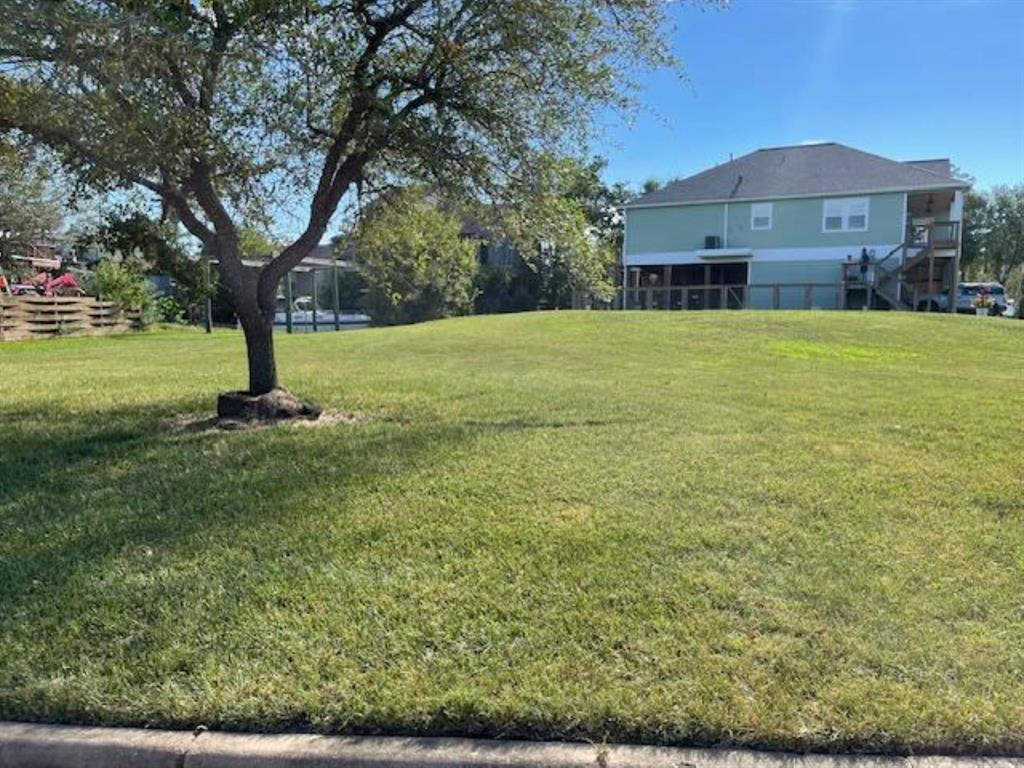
point(259, 346)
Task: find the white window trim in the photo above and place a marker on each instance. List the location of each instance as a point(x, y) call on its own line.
point(846, 203)
point(771, 216)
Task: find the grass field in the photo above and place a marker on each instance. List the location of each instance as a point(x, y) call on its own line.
point(789, 530)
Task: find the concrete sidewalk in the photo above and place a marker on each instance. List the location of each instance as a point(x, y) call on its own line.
point(24, 745)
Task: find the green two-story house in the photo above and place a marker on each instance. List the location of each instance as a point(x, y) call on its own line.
point(809, 226)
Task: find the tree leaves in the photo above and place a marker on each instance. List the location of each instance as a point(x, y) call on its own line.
point(416, 263)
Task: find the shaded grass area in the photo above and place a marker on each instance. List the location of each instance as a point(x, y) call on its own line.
point(786, 530)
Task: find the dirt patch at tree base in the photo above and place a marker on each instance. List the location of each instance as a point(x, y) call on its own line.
point(192, 423)
point(275, 405)
point(241, 410)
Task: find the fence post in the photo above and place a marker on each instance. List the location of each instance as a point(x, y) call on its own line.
point(808, 296)
point(288, 303)
point(208, 320)
point(775, 296)
point(336, 295)
point(315, 326)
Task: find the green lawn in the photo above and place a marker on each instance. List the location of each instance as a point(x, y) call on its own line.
point(793, 530)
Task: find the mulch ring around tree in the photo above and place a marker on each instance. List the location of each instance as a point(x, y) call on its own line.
point(261, 418)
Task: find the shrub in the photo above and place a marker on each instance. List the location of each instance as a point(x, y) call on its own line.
point(170, 310)
point(416, 265)
point(122, 283)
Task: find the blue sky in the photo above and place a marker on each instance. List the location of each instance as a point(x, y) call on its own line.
point(907, 79)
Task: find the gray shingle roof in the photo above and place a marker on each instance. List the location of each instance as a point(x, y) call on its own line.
point(813, 169)
point(941, 166)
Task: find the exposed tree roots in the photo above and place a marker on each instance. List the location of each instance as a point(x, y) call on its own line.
point(275, 405)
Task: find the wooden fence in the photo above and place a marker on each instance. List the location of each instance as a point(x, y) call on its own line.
point(738, 296)
point(38, 317)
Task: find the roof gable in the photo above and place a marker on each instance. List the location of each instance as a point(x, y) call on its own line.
point(805, 170)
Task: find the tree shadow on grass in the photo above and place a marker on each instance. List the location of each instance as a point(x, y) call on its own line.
point(81, 497)
point(122, 540)
point(70, 495)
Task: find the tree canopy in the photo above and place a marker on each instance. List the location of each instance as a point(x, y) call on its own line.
point(227, 108)
point(28, 209)
point(1004, 230)
point(416, 264)
point(993, 238)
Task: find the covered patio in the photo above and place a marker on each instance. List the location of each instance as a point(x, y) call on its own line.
point(712, 284)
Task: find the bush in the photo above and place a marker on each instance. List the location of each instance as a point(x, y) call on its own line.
point(123, 284)
point(512, 288)
point(170, 310)
point(416, 265)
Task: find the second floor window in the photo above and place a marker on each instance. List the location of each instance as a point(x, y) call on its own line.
point(761, 216)
point(847, 214)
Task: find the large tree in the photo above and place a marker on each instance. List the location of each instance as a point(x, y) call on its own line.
point(975, 222)
point(225, 109)
point(1004, 230)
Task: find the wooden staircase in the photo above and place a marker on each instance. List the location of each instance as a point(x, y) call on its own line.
point(925, 269)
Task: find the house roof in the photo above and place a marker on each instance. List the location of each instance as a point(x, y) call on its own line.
point(803, 170)
point(941, 165)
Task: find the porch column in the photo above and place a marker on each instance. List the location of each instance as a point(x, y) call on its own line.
point(954, 288)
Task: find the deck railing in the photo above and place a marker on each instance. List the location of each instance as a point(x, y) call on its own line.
point(938, 234)
point(735, 296)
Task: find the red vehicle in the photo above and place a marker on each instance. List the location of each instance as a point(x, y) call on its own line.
point(45, 285)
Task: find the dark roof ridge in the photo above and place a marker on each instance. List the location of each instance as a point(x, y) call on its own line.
point(798, 146)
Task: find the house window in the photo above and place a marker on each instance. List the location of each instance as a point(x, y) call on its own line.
point(761, 216)
point(849, 214)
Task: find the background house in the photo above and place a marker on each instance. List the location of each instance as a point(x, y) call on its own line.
point(809, 226)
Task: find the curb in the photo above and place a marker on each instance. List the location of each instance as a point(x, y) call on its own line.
point(27, 745)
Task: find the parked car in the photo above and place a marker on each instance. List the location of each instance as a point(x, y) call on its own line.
point(968, 292)
point(966, 295)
